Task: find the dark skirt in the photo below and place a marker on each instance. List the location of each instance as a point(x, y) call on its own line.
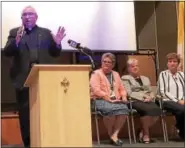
point(106, 108)
point(146, 108)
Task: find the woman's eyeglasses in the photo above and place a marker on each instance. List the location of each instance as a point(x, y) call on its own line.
point(108, 62)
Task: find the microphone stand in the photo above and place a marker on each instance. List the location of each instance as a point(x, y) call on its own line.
point(91, 59)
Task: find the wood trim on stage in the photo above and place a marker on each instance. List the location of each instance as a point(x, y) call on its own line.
point(10, 129)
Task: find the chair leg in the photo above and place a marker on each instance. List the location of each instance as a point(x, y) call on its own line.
point(173, 132)
point(163, 128)
point(129, 134)
point(97, 129)
point(133, 128)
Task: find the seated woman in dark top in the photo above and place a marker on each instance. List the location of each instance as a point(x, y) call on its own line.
point(139, 90)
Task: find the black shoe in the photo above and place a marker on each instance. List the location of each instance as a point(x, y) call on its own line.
point(120, 141)
point(147, 141)
point(181, 135)
point(117, 142)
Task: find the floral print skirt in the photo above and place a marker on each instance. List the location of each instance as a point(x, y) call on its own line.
point(106, 108)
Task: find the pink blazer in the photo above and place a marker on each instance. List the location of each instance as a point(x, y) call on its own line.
point(100, 86)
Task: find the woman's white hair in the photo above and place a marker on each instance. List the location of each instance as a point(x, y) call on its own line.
point(131, 61)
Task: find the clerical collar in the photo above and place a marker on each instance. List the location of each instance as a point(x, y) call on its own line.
point(31, 29)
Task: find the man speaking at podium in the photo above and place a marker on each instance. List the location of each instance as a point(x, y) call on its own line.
point(28, 45)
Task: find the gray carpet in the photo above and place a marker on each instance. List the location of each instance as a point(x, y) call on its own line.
point(158, 143)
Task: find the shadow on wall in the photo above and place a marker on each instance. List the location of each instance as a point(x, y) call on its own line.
point(141, 7)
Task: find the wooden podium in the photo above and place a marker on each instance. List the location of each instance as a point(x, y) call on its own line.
point(60, 113)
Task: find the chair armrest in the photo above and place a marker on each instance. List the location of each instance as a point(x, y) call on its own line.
point(93, 106)
point(130, 104)
point(159, 98)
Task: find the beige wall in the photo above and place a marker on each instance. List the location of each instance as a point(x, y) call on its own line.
point(160, 34)
point(145, 24)
point(166, 31)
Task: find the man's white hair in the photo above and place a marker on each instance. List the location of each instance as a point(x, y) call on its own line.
point(31, 7)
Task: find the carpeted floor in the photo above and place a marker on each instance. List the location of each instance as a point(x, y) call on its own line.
point(158, 143)
point(173, 143)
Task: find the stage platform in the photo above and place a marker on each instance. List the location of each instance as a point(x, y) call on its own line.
point(173, 143)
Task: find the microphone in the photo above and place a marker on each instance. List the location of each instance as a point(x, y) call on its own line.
point(78, 46)
point(84, 50)
point(22, 31)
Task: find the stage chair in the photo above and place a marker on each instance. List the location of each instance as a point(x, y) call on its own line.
point(134, 112)
point(163, 115)
point(163, 123)
point(97, 115)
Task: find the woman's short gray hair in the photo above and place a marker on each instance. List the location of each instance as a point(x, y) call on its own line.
point(109, 55)
point(131, 61)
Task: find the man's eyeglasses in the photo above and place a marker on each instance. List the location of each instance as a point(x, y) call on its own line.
point(28, 14)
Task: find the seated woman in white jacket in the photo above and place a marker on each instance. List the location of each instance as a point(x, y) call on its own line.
point(139, 90)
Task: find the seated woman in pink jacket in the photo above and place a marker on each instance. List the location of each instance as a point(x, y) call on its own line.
point(110, 97)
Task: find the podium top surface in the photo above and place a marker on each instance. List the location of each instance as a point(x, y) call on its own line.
point(40, 67)
point(59, 67)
